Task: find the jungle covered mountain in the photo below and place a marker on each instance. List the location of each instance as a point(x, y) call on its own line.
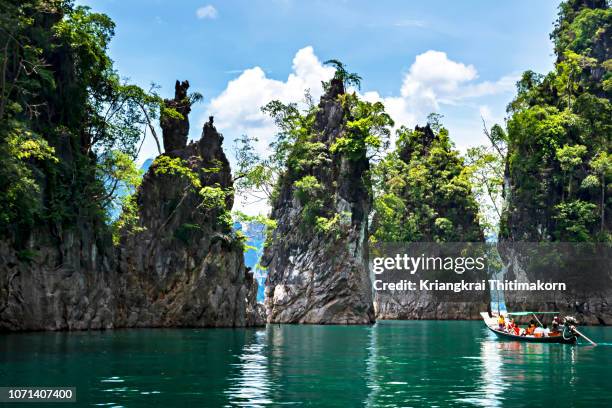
point(317, 255)
point(559, 136)
point(559, 170)
point(424, 193)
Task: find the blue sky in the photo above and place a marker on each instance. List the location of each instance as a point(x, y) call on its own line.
point(459, 58)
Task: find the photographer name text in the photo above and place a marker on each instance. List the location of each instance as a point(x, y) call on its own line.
point(463, 286)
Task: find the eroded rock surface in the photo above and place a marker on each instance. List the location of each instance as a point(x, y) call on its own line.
point(314, 277)
point(176, 129)
point(181, 267)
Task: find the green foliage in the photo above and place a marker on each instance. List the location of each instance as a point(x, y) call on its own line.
point(291, 151)
point(576, 220)
point(306, 188)
point(310, 192)
point(579, 28)
point(212, 197)
point(175, 166)
point(567, 79)
point(486, 172)
point(332, 226)
point(342, 74)
point(119, 172)
point(423, 191)
point(570, 156)
point(559, 127)
point(297, 150)
point(20, 200)
point(368, 129)
point(69, 127)
point(127, 222)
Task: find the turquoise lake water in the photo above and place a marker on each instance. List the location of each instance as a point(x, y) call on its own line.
point(409, 363)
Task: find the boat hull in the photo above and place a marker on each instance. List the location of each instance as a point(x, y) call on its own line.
point(491, 323)
point(531, 339)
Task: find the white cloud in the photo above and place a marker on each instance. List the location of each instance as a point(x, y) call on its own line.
point(208, 11)
point(432, 81)
point(237, 110)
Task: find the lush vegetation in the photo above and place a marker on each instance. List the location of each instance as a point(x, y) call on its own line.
point(423, 190)
point(69, 126)
point(299, 157)
point(559, 135)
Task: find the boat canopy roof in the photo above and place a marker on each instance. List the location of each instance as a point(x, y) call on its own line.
point(530, 313)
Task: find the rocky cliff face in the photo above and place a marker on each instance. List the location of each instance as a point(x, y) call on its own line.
point(585, 269)
point(322, 277)
point(180, 267)
point(557, 182)
point(62, 281)
point(176, 130)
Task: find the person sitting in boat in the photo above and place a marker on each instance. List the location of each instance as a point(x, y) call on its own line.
point(501, 322)
point(516, 328)
point(529, 331)
point(555, 324)
point(512, 327)
point(541, 331)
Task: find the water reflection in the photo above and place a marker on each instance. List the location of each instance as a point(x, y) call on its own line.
point(410, 363)
point(491, 387)
point(522, 365)
point(371, 368)
point(251, 387)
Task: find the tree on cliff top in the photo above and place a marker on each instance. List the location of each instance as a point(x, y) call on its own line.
point(296, 149)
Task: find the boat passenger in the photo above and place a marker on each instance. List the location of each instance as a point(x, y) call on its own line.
point(541, 331)
point(529, 331)
point(512, 327)
point(501, 322)
point(555, 324)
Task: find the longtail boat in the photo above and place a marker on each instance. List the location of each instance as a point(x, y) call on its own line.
point(567, 333)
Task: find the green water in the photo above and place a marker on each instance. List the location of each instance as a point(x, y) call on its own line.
point(415, 363)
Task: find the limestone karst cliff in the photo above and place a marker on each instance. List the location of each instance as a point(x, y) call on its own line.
point(320, 275)
point(176, 129)
point(180, 265)
point(559, 169)
point(425, 197)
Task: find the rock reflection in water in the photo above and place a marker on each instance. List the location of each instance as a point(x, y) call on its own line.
point(251, 387)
